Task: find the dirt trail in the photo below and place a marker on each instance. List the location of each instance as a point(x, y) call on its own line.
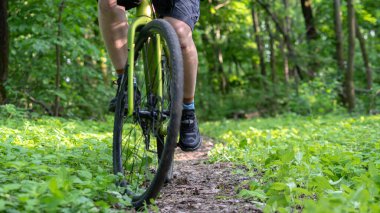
point(202, 187)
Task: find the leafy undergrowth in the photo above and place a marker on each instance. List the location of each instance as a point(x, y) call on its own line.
point(50, 164)
point(320, 164)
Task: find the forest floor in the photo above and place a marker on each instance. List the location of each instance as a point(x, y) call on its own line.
point(266, 164)
point(202, 187)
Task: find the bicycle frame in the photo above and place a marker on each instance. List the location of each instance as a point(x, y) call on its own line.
point(144, 15)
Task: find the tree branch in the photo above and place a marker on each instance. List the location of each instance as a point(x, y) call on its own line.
point(273, 16)
point(217, 7)
point(42, 104)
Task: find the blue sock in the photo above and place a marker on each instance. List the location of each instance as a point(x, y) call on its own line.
point(189, 105)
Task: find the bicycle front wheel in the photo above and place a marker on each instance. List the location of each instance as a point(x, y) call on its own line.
point(144, 144)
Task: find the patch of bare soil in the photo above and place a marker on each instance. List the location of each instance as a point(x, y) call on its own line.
point(201, 187)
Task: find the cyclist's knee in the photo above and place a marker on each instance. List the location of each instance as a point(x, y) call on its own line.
point(185, 36)
point(183, 31)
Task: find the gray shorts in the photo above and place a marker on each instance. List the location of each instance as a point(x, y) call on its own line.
point(185, 10)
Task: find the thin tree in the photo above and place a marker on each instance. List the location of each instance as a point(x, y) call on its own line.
point(285, 32)
point(349, 76)
point(286, 25)
point(259, 42)
point(363, 49)
point(286, 61)
point(4, 49)
point(213, 51)
point(272, 56)
point(311, 34)
point(338, 35)
point(58, 58)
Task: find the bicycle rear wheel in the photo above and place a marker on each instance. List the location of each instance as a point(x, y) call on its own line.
point(144, 162)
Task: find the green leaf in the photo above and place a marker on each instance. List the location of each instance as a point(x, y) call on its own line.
point(54, 189)
point(256, 194)
point(322, 183)
point(278, 186)
point(10, 187)
point(243, 143)
point(102, 204)
point(286, 155)
point(372, 169)
point(60, 94)
point(85, 174)
point(331, 182)
point(2, 205)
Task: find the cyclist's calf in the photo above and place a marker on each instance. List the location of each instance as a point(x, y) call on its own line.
point(114, 28)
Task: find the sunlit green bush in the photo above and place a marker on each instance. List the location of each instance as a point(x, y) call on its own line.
point(315, 97)
point(56, 165)
point(317, 164)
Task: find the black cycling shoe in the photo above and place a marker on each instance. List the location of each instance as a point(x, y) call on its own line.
point(112, 104)
point(189, 137)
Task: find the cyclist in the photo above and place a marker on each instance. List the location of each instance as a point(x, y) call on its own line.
point(182, 15)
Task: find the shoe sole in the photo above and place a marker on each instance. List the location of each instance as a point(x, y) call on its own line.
point(188, 149)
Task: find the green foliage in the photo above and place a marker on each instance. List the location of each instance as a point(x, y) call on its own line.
point(34, 39)
point(315, 97)
point(318, 164)
point(56, 165)
point(10, 111)
point(225, 33)
point(229, 66)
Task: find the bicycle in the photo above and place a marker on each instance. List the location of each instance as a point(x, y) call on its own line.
point(149, 105)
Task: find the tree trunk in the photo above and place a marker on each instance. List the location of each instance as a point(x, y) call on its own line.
point(296, 70)
point(364, 55)
point(349, 77)
point(285, 33)
point(272, 55)
point(4, 49)
point(218, 53)
point(338, 35)
point(311, 32)
point(286, 62)
point(58, 58)
point(214, 52)
point(260, 46)
point(284, 51)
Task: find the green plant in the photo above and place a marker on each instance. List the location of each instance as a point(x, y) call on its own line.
point(10, 111)
point(315, 97)
point(316, 164)
point(50, 165)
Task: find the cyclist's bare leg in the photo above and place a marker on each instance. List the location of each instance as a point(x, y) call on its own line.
point(190, 57)
point(190, 138)
point(114, 28)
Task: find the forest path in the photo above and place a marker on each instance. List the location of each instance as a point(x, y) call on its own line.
point(202, 187)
